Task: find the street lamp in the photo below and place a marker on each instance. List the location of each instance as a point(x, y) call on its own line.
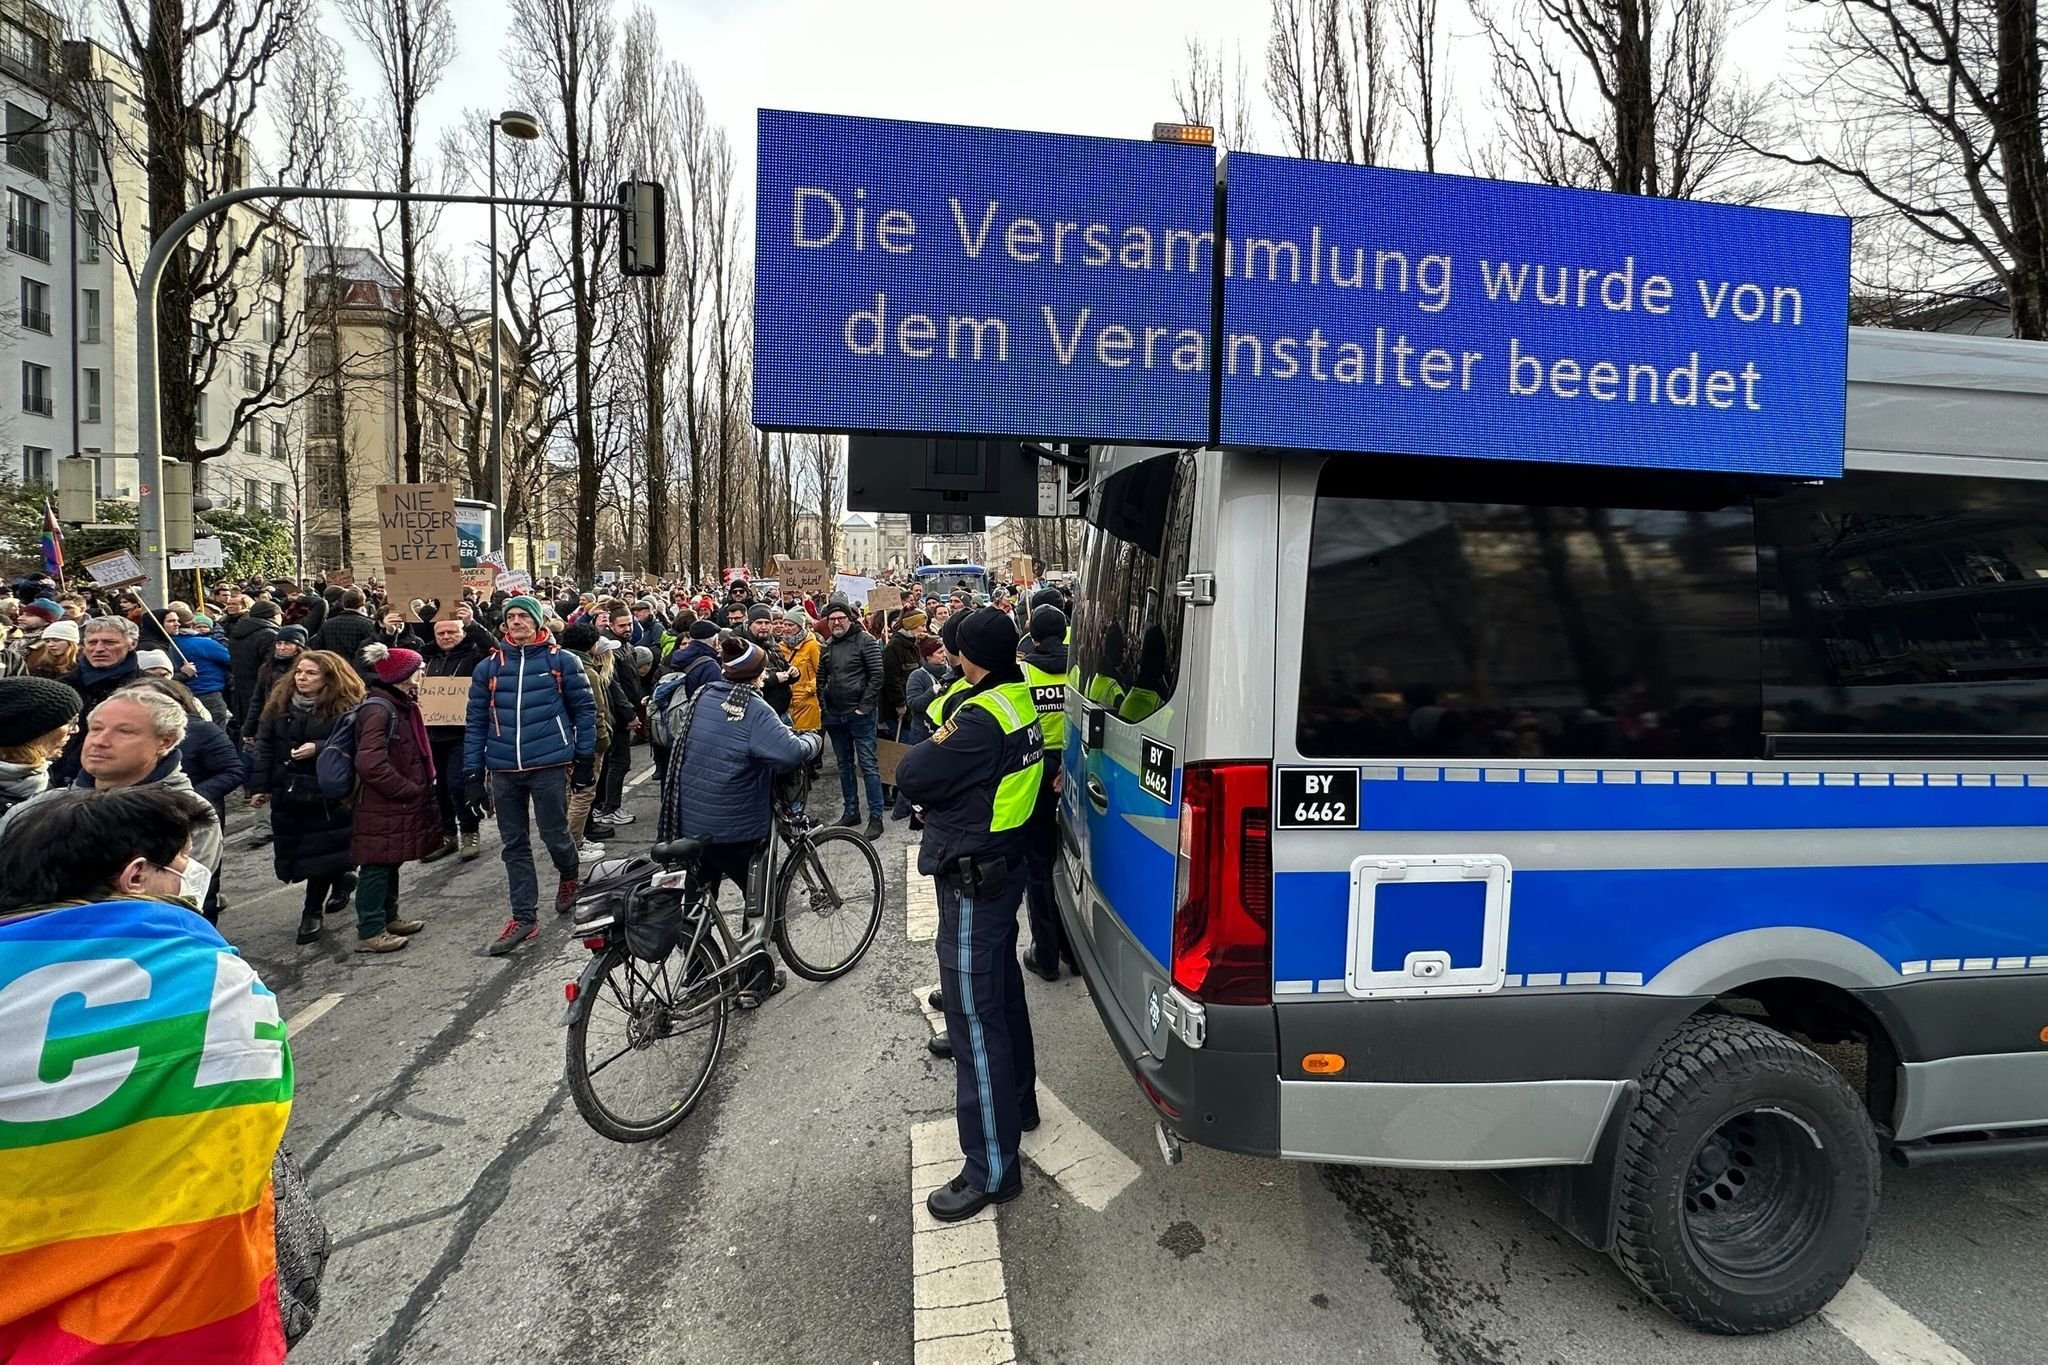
point(517, 124)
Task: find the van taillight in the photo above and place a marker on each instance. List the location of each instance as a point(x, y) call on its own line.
point(1223, 920)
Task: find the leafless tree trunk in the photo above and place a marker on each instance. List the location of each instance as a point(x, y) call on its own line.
point(723, 269)
point(565, 50)
point(1932, 113)
point(413, 42)
point(1421, 92)
point(1329, 78)
point(1662, 116)
point(825, 454)
point(1209, 94)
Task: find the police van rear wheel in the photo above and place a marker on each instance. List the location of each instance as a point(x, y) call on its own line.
point(1748, 1179)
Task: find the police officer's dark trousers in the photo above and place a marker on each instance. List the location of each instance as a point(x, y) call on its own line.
point(996, 1071)
point(1048, 939)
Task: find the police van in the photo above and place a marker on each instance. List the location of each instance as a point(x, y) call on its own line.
point(1676, 844)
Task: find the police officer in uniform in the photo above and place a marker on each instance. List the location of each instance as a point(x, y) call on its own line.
point(940, 711)
point(977, 779)
point(1046, 674)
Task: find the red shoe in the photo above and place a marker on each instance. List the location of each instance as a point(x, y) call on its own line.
point(512, 935)
point(565, 895)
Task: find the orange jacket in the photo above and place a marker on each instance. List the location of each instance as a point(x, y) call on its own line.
point(803, 700)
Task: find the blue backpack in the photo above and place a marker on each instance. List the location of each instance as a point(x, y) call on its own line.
point(336, 762)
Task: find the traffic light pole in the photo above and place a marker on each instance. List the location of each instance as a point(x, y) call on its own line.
point(148, 426)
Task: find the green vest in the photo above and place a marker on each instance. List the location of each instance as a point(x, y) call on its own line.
point(1105, 691)
point(1010, 705)
point(1049, 696)
point(936, 712)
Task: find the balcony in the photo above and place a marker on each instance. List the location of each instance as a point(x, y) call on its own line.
point(29, 241)
point(28, 152)
point(36, 320)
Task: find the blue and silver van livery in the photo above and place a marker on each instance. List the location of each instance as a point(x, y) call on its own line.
point(1675, 843)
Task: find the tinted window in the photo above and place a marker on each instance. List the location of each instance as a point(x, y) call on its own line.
point(1127, 618)
point(1906, 604)
point(1583, 615)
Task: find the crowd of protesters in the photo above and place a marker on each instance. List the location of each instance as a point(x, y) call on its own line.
point(242, 692)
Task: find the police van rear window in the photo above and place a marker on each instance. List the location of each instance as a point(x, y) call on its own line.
point(1574, 614)
point(1127, 619)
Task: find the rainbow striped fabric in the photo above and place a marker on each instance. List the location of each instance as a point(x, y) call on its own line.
point(144, 1087)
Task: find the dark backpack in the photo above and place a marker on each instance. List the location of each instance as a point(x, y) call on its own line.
point(335, 764)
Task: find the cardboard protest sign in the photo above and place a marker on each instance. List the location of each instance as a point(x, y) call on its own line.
point(115, 569)
point(885, 599)
point(1021, 569)
point(444, 701)
point(888, 753)
point(419, 546)
point(804, 575)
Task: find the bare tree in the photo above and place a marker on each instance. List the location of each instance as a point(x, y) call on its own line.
point(1421, 91)
point(215, 78)
point(1932, 114)
point(826, 459)
point(413, 42)
point(1623, 95)
point(1329, 78)
point(722, 269)
point(565, 50)
point(1208, 93)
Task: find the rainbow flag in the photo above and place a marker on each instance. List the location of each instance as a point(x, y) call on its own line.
point(144, 1087)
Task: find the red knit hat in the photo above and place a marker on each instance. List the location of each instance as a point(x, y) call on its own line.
point(392, 666)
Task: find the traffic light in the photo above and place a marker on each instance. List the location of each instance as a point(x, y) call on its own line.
point(643, 228)
point(177, 505)
point(77, 481)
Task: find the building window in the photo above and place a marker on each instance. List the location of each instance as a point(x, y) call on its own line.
point(199, 417)
point(327, 482)
point(89, 325)
point(252, 372)
point(277, 440)
point(273, 261)
point(35, 464)
point(28, 148)
point(35, 389)
point(273, 320)
point(35, 306)
point(326, 413)
point(252, 438)
point(28, 225)
point(89, 227)
point(92, 395)
point(25, 53)
point(251, 499)
point(277, 499)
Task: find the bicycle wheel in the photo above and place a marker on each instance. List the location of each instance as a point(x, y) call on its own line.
point(828, 904)
point(642, 1051)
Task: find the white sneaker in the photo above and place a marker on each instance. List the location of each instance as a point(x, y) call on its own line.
point(618, 817)
point(590, 851)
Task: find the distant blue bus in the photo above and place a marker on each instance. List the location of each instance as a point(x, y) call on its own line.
point(942, 580)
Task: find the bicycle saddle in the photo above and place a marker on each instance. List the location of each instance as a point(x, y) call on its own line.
point(685, 850)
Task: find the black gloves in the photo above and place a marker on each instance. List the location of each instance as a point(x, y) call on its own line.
point(475, 796)
point(583, 773)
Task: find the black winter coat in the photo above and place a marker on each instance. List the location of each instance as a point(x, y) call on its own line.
point(210, 759)
point(459, 662)
point(310, 835)
point(250, 642)
point(345, 633)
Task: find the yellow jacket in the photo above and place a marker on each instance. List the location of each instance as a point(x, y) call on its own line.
point(803, 700)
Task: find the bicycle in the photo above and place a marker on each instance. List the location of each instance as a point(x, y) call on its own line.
point(666, 967)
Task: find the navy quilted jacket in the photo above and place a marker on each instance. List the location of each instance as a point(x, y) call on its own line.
point(530, 706)
point(720, 774)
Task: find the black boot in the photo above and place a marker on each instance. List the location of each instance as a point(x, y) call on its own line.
point(309, 927)
point(337, 896)
point(849, 818)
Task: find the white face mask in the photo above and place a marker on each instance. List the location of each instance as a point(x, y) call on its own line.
point(194, 880)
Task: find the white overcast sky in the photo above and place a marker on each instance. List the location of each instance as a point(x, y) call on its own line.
point(1069, 66)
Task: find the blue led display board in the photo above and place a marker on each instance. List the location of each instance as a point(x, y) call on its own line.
point(915, 277)
point(1392, 311)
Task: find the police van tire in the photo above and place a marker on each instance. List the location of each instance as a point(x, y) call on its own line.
point(1748, 1179)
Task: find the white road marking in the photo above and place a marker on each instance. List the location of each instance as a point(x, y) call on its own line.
point(1064, 1147)
point(1885, 1332)
point(636, 781)
point(961, 1313)
point(1071, 1152)
point(309, 1015)
point(920, 901)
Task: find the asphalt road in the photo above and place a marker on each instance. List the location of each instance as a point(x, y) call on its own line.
point(477, 1219)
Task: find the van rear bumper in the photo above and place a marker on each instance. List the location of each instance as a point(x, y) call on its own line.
point(1226, 1092)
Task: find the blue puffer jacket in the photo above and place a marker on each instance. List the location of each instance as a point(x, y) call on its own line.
point(720, 788)
point(210, 657)
point(697, 662)
point(530, 706)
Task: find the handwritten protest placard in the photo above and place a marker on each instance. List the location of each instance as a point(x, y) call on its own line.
point(419, 545)
point(444, 701)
